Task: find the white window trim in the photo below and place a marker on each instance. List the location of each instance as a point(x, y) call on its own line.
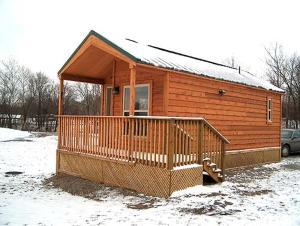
point(137, 85)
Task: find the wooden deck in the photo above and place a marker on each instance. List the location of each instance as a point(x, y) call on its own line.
point(155, 141)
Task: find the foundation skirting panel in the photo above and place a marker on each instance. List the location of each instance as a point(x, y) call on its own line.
point(249, 157)
point(145, 179)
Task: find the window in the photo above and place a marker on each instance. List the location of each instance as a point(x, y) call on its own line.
point(296, 134)
point(141, 100)
point(286, 134)
point(269, 110)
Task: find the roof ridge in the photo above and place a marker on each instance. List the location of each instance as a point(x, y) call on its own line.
point(189, 56)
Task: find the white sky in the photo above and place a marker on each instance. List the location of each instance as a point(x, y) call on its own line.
point(43, 34)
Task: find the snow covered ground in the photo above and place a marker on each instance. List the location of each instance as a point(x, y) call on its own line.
point(269, 194)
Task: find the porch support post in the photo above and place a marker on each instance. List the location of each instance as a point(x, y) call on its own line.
point(113, 86)
point(60, 97)
point(60, 112)
point(132, 89)
point(101, 100)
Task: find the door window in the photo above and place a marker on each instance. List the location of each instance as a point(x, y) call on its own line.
point(141, 105)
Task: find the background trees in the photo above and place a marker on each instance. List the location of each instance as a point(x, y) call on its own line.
point(32, 98)
point(284, 71)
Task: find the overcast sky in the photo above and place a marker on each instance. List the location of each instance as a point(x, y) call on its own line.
point(43, 34)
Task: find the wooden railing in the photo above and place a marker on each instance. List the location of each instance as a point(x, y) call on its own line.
point(165, 142)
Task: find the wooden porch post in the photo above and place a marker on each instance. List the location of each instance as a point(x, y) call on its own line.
point(170, 140)
point(132, 89)
point(101, 99)
point(60, 97)
point(60, 112)
point(113, 86)
point(200, 142)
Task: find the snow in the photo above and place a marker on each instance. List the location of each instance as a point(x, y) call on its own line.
point(186, 166)
point(10, 134)
point(262, 195)
point(149, 55)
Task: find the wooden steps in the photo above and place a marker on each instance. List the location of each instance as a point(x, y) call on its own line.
point(212, 170)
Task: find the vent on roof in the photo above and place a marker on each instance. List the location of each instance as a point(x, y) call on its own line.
point(128, 39)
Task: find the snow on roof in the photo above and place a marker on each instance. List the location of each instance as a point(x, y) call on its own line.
point(147, 54)
point(156, 56)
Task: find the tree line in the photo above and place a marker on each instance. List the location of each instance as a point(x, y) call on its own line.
point(29, 100)
point(283, 71)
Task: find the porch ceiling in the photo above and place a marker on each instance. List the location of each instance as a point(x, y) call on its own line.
point(93, 63)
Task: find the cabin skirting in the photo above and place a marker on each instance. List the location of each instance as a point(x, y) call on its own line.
point(241, 158)
point(145, 179)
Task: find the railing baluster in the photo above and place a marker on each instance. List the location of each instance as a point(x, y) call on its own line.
point(131, 127)
point(147, 142)
point(159, 143)
point(140, 139)
point(118, 138)
point(69, 134)
point(122, 138)
point(135, 139)
point(144, 143)
point(126, 136)
point(154, 142)
point(112, 135)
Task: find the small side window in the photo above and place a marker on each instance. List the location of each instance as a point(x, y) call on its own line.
point(269, 110)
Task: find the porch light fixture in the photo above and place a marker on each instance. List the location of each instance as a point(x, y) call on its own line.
point(116, 90)
point(222, 92)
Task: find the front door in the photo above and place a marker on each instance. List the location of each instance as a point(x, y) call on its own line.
point(108, 101)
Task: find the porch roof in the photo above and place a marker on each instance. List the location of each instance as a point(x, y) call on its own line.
point(163, 58)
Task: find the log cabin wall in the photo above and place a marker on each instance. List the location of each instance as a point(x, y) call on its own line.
point(240, 114)
point(144, 75)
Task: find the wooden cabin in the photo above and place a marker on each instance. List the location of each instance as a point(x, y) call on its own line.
point(166, 118)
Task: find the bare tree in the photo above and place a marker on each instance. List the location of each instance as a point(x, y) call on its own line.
point(283, 71)
point(27, 93)
point(41, 83)
point(89, 95)
point(35, 96)
point(9, 87)
point(231, 62)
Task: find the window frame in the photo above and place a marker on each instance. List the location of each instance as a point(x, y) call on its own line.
point(137, 85)
point(269, 110)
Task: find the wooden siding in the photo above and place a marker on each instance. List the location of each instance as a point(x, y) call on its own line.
point(240, 115)
point(155, 78)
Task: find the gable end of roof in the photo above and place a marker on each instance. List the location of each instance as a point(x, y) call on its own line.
point(105, 40)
